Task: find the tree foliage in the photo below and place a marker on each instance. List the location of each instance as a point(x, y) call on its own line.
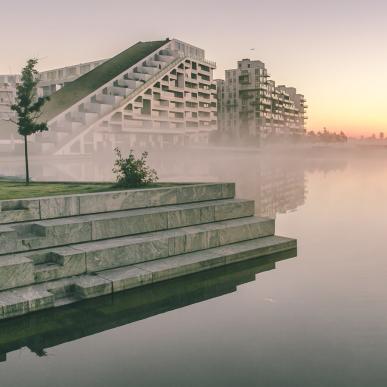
point(27, 105)
point(133, 172)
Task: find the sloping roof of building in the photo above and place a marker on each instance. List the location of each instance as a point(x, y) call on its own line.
point(91, 81)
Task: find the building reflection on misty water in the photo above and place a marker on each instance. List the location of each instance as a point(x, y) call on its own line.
point(57, 326)
point(277, 183)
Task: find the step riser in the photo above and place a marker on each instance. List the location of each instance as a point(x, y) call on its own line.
point(16, 271)
point(25, 300)
point(7, 233)
point(43, 266)
point(161, 274)
point(168, 246)
point(54, 233)
point(69, 262)
point(170, 219)
point(12, 211)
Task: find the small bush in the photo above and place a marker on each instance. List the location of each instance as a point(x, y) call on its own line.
point(132, 172)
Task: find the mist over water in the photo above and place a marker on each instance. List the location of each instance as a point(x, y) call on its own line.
point(315, 320)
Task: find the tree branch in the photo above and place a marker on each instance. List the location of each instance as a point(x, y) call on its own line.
point(9, 119)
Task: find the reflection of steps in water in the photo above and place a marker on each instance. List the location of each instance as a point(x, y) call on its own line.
point(57, 326)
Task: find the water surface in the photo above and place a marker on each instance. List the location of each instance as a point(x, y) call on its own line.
point(319, 319)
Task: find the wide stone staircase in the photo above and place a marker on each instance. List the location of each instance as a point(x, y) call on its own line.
point(63, 249)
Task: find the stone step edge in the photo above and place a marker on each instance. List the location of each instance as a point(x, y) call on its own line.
point(91, 228)
point(41, 225)
point(60, 262)
point(48, 295)
point(52, 207)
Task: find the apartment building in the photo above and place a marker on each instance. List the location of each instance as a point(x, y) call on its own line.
point(7, 95)
point(49, 82)
point(253, 110)
point(153, 94)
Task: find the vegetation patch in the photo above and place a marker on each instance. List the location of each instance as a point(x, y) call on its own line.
point(91, 81)
point(133, 172)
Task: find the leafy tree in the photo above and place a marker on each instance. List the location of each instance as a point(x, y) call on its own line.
point(28, 107)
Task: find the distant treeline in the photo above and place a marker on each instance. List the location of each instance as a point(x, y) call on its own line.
point(326, 136)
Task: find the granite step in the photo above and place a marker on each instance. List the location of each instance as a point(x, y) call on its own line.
point(84, 228)
point(47, 271)
point(55, 293)
point(61, 262)
point(136, 249)
point(7, 233)
point(12, 211)
point(177, 266)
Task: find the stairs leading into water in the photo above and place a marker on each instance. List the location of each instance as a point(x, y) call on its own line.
point(59, 250)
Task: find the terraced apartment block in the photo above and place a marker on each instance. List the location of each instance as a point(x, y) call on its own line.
point(154, 94)
point(252, 109)
point(49, 82)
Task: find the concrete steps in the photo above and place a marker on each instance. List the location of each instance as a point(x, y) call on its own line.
point(84, 228)
point(12, 211)
point(55, 293)
point(75, 259)
point(85, 246)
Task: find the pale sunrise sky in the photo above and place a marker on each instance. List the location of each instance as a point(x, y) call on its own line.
point(334, 52)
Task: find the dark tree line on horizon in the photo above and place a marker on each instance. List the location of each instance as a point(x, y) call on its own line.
point(326, 136)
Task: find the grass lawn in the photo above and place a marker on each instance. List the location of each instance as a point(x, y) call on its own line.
point(18, 189)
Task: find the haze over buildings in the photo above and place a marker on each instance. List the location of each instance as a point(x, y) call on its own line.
point(332, 51)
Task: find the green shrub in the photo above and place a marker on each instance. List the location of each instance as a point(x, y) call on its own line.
point(132, 172)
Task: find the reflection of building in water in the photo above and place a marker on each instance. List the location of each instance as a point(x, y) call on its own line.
point(54, 327)
point(277, 184)
point(280, 190)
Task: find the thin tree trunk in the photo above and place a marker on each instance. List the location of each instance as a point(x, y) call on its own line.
point(26, 160)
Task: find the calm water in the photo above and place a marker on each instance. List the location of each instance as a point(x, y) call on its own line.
point(319, 319)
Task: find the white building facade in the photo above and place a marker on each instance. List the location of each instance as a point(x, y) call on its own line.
point(253, 110)
point(49, 82)
point(165, 96)
point(168, 98)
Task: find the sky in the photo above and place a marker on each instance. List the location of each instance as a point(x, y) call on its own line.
point(333, 52)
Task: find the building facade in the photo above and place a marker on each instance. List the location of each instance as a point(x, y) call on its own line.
point(154, 94)
point(8, 85)
point(253, 110)
point(49, 82)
